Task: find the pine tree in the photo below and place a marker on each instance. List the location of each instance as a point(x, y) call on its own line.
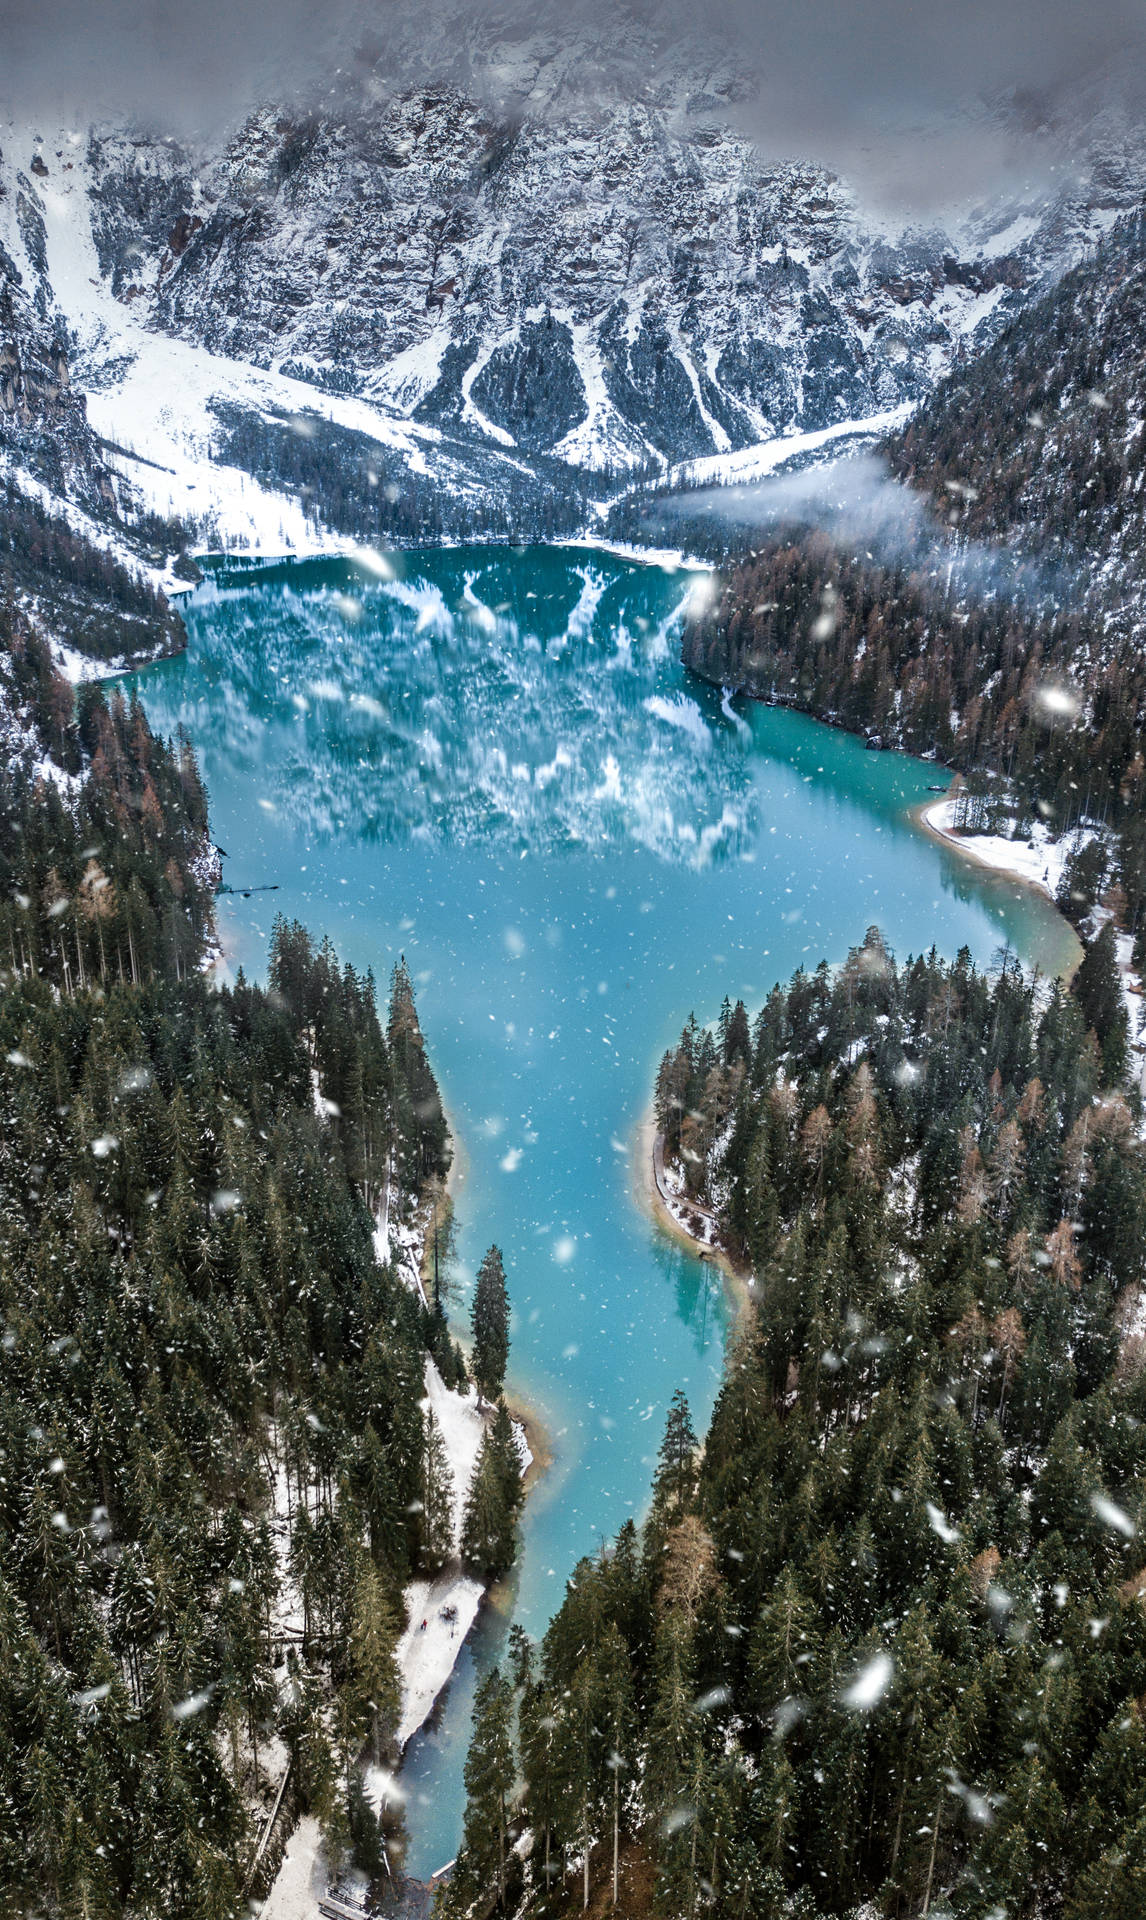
point(488, 1537)
point(617, 1717)
point(374, 1683)
point(489, 1773)
point(507, 1458)
point(441, 1251)
point(676, 1468)
point(490, 1326)
point(437, 1500)
point(304, 1729)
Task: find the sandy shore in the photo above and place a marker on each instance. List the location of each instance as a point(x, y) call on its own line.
point(738, 1277)
point(964, 845)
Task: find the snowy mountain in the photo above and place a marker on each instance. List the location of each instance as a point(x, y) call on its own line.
point(491, 282)
point(1038, 443)
point(86, 558)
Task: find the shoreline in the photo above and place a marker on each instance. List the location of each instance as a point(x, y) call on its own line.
point(963, 844)
point(738, 1280)
point(537, 1438)
point(520, 1408)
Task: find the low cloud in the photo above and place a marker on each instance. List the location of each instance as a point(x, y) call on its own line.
point(919, 104)
point(176, 68)
point(860, 506)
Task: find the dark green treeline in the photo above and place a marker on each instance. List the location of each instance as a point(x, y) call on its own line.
point(213, 1455)
point(883, 1642)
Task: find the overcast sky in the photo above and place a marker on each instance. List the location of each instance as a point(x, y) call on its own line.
point(885, 92)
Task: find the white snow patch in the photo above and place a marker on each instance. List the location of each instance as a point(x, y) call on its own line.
point(752, 463)
point(429, 1648)
point(301, 1880)
point(1039, 861)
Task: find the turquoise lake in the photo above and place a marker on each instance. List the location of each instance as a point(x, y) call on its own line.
point(491, 761)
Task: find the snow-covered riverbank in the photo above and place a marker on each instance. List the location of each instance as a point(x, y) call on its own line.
point(440, 1612)
point(659, 1187)
point(1039, 860)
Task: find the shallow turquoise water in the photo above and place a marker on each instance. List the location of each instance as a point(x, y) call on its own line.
point(494, 764)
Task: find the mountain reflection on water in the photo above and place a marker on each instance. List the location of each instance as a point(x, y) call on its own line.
point(457, 703)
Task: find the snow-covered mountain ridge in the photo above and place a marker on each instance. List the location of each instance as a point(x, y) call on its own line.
point(618, 286)
point(1039, 441)
point(483, 305)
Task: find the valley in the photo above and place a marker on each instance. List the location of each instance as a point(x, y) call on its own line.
point(495, 765)
point(572, 927)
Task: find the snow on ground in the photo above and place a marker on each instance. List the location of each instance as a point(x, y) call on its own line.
point(68, 784)
point(301, 1880)
point(1131, 988)
point(151, 395)
point(287, 1617)
point(75, 666)
point(427, 1653)
point(462, 1425)
point(428, 1650)
point(403, 1241)
point(691, 1216)
point(603, 440)
point(442, 1611)
point(159, 409)
point(1132, 997)
point(752, 463)
point(670, 559)
point(1039, 861)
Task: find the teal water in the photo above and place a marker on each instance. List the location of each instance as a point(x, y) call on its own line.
point(492, 762)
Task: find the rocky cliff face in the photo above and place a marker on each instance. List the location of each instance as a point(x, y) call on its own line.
point(505, 287)
point(41, 417)
point(618, 284)
point(76, 547)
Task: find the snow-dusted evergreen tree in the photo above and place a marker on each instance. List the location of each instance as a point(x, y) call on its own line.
point(373, 1679)
point(676, 1461)
point(494, 1500)
point(480, 1872)
point(490, 1325)
point(437, 1500)
point(235, 1358)
point(487, 1525)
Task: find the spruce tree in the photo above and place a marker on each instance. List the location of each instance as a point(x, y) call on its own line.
point(488, 1538)
point(490, 1326)
point(676, 1461)
point(376, 1689)
point(489, 1771)
point(507, 1458)
point(437, 1500)
point(616, 1713)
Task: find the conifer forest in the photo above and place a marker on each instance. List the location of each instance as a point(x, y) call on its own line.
point(572, 960)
